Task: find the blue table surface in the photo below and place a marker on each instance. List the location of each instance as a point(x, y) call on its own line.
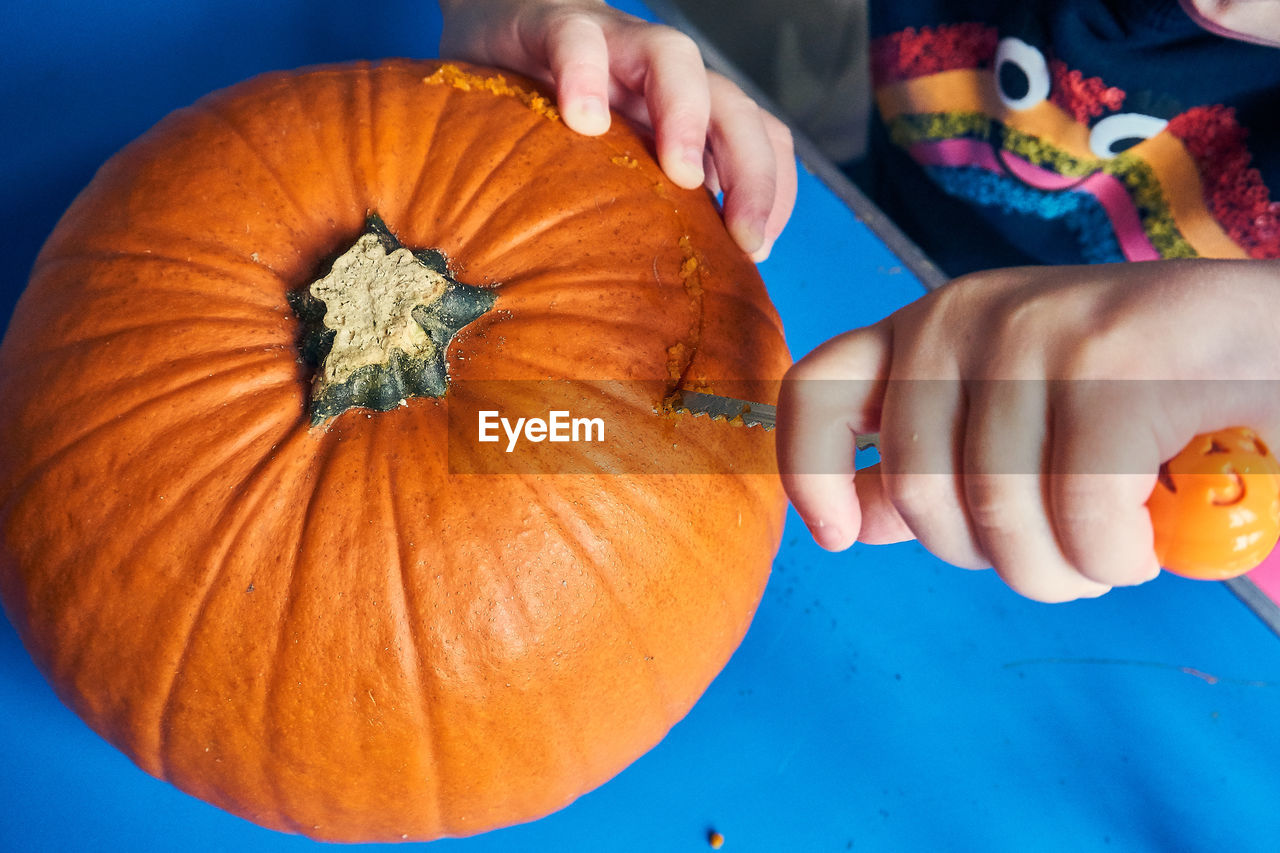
point(880, 701)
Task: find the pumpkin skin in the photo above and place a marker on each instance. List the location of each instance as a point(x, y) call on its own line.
point(326, 629)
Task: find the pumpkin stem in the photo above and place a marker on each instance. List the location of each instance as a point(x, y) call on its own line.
point(378, 324)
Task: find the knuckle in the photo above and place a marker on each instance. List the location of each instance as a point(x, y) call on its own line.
point(992, 505)
point(670, 41)
point(583, 68)
point(561, 20)
point(917, 496)
point(781, 135)
point(756, 191)
point(1082, 504)
point(685, 122)
point(734, 105)
point(1097, 355)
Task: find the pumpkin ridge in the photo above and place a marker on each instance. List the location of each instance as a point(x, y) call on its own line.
point(89, 255)
point(591, 567)
point(690, 270)
point(557, 280)
point(736, 298)
point(321, 465)
point(261, 90)
point(599, 573)
point(520, 242)
point(317, 144)
point(572, 318)
point(92, 625)
point(485, 181)
point(435, 197)
point(419, 195)
point(567, 751)
point(387, 114)
point(242, 359)
point(409, 610)
point(569, 321)
point(422, 195)
point(215, 110)
point(362, 153)
point(231, 524)
point(209, 263)
point(40, 467)
point(70, 347)
point(199, 381)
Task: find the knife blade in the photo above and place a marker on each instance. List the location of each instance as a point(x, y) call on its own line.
point(741, 412)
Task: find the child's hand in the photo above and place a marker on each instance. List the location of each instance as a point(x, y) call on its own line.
point(1056, 536)
point(705, 127)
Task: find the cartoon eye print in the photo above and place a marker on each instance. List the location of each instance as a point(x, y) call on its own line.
point(1022, 74)
point(1118, 133)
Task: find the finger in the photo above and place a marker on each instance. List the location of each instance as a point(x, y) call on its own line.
point(746, 163)
point(785, 184)
point(1103, 476)
point(578, 57)
point(919, 428)
point(1004, 454)
point(679, 103)
point(827, 398)
point(881, 522)
point(713, 177)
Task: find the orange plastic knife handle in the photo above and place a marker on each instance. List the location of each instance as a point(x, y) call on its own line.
point(1215, 509)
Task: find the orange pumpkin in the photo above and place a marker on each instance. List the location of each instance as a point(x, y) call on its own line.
point(321, 618)
point(1215, 510)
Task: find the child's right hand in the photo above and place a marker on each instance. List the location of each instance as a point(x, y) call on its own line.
point(705, 128)
point(1024, 413)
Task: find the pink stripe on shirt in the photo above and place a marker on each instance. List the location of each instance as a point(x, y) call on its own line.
point(1108, 190)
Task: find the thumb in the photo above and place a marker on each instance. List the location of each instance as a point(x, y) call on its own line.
point(828, 398)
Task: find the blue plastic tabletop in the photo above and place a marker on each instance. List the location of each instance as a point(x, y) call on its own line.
point(881, 700)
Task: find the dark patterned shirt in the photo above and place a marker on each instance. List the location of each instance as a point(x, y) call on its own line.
point(1073, 131)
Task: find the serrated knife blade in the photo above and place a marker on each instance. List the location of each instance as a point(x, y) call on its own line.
point(740, 412)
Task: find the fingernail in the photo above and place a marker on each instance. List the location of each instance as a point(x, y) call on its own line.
point(828, 536)
point(588, 115)
point(749, 237)
point(687, 172)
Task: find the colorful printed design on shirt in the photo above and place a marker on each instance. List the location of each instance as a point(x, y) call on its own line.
point(996, 122)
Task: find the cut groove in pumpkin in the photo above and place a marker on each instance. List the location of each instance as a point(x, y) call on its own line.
point(451, 75)
point(378, 324)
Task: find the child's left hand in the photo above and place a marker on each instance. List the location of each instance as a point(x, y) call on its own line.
point(704, 126)
point(965, 451)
